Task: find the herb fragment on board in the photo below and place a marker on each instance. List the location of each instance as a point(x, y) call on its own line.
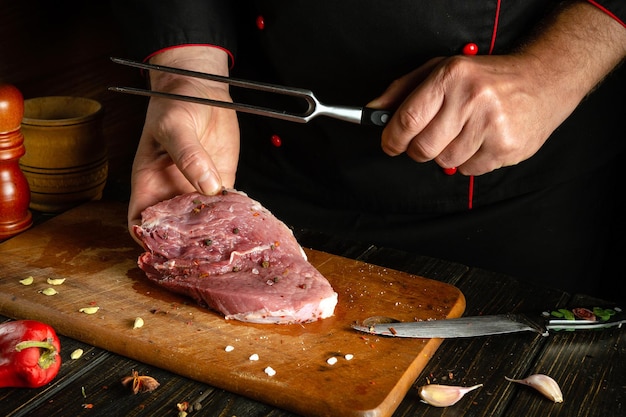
point(140, 383)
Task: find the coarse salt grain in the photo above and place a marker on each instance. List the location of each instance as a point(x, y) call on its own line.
point(270, 371)
point(229, 348)
point(254, 357)
point(349, 356)
point(331, 361)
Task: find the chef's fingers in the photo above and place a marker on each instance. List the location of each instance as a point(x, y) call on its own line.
point(464, 153)
point(412, 117)
point(180, 138)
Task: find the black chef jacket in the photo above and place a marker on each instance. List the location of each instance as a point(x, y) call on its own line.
point(550, 219)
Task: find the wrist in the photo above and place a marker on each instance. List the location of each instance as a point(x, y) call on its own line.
point(201, 58)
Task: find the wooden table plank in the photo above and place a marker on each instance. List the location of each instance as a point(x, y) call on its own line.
point(592, 365)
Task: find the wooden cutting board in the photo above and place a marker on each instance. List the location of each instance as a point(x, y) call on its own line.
point(90, 247)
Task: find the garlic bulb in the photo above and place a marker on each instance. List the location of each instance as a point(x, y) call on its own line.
point(544, 384)
point(443, 395)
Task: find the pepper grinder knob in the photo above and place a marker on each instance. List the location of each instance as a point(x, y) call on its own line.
point(14, 190)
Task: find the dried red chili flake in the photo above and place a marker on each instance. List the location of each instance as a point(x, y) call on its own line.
point(87, 405)
point(393, 331)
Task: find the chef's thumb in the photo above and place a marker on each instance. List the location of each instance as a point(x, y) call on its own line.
point(209, 183)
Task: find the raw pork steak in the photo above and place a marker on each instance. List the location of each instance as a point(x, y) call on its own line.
point(231, 254)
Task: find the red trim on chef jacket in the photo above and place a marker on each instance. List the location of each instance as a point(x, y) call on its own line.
point(470, 192)
point(495, 27)
point(231, 57)
point(605, 10)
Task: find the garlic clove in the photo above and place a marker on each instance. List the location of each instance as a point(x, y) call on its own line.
point(544, 384)
point(443, 395)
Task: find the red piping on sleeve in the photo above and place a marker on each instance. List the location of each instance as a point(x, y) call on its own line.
point(495, 27)
point(470, 192)
point(605, 10)
point(231, 57)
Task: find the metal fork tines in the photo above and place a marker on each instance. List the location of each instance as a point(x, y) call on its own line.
point(314, 106)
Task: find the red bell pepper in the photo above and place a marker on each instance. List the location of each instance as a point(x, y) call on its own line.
point(29, 354)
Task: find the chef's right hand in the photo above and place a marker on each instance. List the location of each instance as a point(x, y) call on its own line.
point(184, 146)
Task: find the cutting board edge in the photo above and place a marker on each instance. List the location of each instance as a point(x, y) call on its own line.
point(386, 407)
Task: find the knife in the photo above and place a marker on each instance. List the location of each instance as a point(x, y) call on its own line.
point(544, 323)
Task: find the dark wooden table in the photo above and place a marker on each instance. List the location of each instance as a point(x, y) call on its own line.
point(589, 366)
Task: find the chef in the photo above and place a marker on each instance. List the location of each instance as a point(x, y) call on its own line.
point(504, 150)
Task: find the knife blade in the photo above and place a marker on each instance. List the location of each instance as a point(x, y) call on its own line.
point(472, 326)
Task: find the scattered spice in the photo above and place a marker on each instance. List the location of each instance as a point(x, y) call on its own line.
point(254, 357)
point(140, 383)
point(348, 356)
point(76, 354)
point(27, 281)
point(89, 310)
point(270, 371)
point(332, 360)
point(229, 348)
point(184, 406)
point(236, 230)
point(138, 323)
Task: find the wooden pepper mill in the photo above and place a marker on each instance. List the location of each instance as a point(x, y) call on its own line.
point(14, 190)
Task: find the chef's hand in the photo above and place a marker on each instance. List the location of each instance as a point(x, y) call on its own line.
point(184, 146)
point(480, 113)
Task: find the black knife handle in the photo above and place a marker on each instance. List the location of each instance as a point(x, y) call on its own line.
point(583, 318)
point(375, 117)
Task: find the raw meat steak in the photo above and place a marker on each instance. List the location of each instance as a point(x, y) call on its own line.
point(232, 255)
